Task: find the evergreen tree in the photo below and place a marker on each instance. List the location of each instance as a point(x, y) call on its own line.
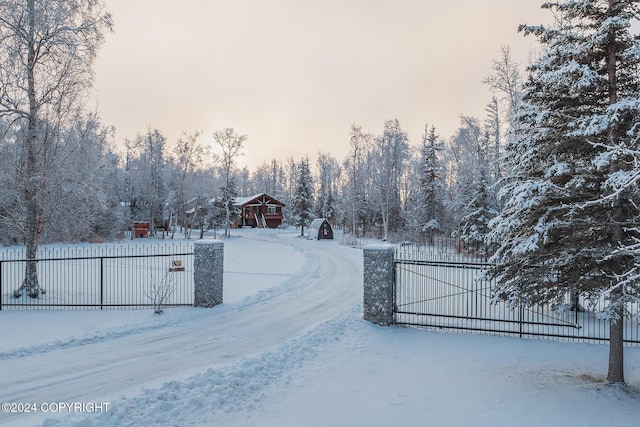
point(328, 172)
point(290, 181)
point(567, 225)
point(466, 158)
point(228, 194)
point(481, 208)
point(474, 228)
point(431, 184)
point(493, 135)
point(303, 196)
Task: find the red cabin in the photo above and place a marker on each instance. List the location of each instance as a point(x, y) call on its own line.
point(260, 210)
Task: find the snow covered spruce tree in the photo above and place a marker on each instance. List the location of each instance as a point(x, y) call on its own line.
point(431, 184)
point(303, 195)
point(328, 175)
point(473, 228)
point(46, 50)
point(568, 226)
point(473, 203)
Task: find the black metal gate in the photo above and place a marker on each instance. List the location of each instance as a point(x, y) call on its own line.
point(100, 276)
point(454, 294)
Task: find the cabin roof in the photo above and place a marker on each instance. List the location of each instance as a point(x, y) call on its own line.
point(257, 198)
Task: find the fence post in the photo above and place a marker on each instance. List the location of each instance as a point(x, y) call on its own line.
point(378, 284)
point(208, 257)
point(101, 283)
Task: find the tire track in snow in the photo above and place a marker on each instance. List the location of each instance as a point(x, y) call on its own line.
point(239, 387)
point(296, 281)
point(104, 370)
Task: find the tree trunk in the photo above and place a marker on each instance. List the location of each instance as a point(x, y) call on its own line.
point(227, 220)
point(574, 302)
point(32, 181)
point(615, 375)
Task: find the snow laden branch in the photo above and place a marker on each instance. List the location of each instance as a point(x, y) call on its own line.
point(618, 182)
point(624, 292)
point(569, 225)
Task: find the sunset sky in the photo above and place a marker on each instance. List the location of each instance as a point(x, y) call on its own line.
point(295, 74)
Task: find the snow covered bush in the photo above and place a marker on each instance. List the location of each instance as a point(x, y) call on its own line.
point(161, 290)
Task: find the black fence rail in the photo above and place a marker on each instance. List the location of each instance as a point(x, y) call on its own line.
point(100, 276)
point(443, 289)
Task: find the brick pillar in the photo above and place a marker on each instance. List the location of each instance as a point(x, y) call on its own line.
point(208, 258)
point(378, 284)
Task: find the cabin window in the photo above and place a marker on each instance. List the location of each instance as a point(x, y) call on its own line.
point(272, 210)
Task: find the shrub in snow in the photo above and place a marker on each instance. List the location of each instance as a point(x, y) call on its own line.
point(160, 291)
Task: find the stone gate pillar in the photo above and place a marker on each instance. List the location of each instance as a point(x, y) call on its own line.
point(378, 284)
point(208, 258)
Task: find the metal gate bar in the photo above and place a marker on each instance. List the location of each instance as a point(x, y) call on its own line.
point(452, 293)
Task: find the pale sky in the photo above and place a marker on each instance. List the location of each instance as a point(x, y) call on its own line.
point(294, 75)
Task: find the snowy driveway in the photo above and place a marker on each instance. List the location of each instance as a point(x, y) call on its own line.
point(102, 368)
point(290, 348)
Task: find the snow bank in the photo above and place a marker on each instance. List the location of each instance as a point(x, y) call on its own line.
point(349, 372)
point(199, 400)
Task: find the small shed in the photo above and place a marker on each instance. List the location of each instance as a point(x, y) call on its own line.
point(320, 229)
point(140, 229)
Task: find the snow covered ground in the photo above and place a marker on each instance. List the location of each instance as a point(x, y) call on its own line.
point(288, 348)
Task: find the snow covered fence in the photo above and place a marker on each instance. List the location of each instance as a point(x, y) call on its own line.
point(207, 272)
point(378, 284)
point(114, 275)
point(447, 289)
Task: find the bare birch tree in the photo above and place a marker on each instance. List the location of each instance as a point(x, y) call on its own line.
point(47, 49)
point(388, 159)
point(231, 144)
point(189, 153)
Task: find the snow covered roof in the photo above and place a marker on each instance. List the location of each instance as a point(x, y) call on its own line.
point(313, 231)
point(241, 201)
point(316, 223)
